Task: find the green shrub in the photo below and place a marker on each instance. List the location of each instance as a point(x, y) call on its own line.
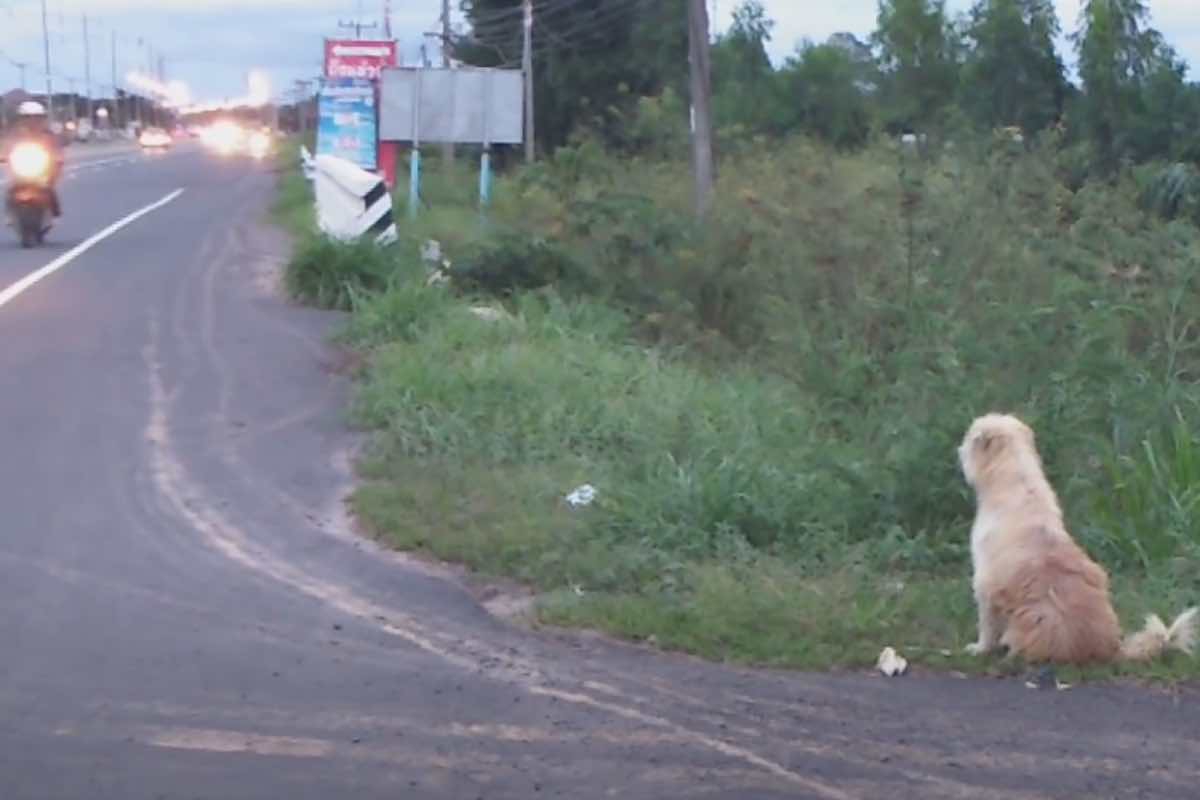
point(1173, 191)
point(510, 261)
point(330, 274)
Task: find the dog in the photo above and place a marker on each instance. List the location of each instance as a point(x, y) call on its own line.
point(1037, 592)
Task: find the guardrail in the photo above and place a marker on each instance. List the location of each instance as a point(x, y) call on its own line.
point(351, 202)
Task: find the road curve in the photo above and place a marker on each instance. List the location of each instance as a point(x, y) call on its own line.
point(187, 613)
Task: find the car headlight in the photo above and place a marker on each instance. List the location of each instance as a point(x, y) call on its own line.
point(29, 161)
point(259, 145)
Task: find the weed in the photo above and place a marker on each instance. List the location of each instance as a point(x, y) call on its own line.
point(332, 274)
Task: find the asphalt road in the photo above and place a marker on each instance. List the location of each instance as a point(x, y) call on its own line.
point(187, 614)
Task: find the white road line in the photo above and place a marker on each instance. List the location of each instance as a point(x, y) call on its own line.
point(66, 258)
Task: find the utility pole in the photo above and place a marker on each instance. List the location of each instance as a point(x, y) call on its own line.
point(117, 118)
point(701, 90)
point(87, 73)
point(49, 76)
point(164, 118)
point(448, 146)
point(302, 108)
point(358, 26)
point(527, 69)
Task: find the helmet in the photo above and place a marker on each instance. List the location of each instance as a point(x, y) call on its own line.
point(31, 108)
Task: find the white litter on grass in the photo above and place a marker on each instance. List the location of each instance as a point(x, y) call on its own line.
point(431, 252)
point(489, 314)
point(891, 663)
point(582, 496)
point(438, 278)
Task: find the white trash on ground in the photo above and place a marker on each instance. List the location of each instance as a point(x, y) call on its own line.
point(431, 252)
point(582, 496)
point(436, 262)
point(891, 663)
point(489, 314)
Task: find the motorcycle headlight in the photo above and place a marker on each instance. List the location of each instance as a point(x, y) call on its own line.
point(29, 161)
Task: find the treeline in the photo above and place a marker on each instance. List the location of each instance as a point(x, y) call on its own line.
point(921, 70)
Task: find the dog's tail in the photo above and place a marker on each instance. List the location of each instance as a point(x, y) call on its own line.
point(1156, 637)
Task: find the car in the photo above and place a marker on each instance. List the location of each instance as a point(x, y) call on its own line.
point(154, 139)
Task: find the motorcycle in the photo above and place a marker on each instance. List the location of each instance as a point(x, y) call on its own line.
point(29, 192)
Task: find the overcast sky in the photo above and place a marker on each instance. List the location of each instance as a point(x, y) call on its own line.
point(212, 44)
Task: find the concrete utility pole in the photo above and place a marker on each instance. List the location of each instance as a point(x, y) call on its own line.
point(117, 118)
point(447, 147)
point(49, 76)
point(527, 69)
point(87, 74)
point(701, 90)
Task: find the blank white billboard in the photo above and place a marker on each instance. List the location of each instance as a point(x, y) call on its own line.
point(465, 106)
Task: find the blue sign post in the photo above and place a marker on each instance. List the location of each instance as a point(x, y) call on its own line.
point(348, 124)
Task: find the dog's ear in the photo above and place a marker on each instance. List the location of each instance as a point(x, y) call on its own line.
point(988, 442)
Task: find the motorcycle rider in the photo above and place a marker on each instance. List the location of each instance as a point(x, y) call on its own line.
point(33, 125)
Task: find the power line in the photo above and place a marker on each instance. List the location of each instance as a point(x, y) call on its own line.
point(599, 21)
point(509, 20)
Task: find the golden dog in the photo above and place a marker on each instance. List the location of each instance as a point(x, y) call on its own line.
point(1038, 593)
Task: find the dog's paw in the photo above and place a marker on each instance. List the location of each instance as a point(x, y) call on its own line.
point(977, 649)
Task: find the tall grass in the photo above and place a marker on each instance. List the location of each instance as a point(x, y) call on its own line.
point(769, 403)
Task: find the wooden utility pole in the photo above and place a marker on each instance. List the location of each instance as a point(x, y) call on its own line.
point(701, 91)
point(527, 68)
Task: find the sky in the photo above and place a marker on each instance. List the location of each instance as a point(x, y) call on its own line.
point(213, 44)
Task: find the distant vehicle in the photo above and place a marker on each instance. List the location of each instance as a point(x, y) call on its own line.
point(258, 144)
point(154, 139)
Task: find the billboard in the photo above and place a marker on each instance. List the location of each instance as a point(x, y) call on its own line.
point(465, 106)
point(347, 119)
point(358, 58)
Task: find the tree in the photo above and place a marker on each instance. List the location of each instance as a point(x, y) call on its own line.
point(1116, 52)
point(918, 58)
point(743, 77)
point(590, 59)
point(1167, 115)
point(826, 93)
point(1012, 73)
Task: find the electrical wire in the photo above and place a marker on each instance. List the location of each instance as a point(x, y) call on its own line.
point(584, 30)
point(543, 10)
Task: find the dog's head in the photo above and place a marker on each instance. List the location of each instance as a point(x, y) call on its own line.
point(990, 440)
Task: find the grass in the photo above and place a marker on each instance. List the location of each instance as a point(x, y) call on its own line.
point(293, 208)
point(768, 405)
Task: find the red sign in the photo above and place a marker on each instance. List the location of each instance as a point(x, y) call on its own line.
point(358, 58)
